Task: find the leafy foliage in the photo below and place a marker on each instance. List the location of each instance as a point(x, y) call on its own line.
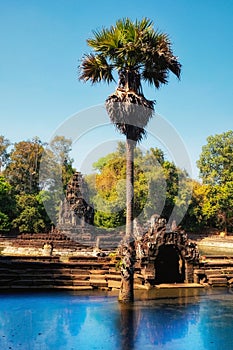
point(31, 215)
point(22, 170)
point(216, 171)
point(216, 160)
point(4, 155)
point(5, 224)
point(7, 205)
point(136, 52)
point(130, 46)
point(155, 187)
point(32, 166)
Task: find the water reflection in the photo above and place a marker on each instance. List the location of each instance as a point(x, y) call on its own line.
point(173, 320)
point(128, 323)
point(153, 324)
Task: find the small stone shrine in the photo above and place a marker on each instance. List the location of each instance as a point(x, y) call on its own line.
point(166, 255)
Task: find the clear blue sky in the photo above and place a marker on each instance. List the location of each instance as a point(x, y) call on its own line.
point(42, 41)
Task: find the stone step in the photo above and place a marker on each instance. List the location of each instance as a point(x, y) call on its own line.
point(114, 284)
point(28, 258)
point(141, 286)
point(99, 271)
point(6, 283)
point(117, 284)
point(218, 281)
point(46, 286)
point(228, 270)
point(213, 273)
point(78, 287)
point(80, 277)
point(37, 274)
point(97, 276)
point(74, 271)
point(87, 258)
point(220, 275)
point(114, 271)
point(26, 283)
point(63, 282)
point(90, 265)
point(81, 283)
point(113, 277)
point(60, 277)
point(99, 283)
point(218, 264)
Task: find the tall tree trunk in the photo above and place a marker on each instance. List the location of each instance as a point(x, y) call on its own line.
point(126, 293)
point(130, 146)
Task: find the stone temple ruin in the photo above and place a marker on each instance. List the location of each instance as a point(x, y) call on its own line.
point(75, 211)
point(163, 254)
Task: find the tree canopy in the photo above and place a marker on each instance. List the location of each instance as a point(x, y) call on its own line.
point(216, 171)
point(157, 183)
point(130, 47)
point(136, 52)
point(156, 187)
point(216, 159)
point(22, 195)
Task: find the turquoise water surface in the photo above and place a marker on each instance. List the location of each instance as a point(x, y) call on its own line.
point(193, 320)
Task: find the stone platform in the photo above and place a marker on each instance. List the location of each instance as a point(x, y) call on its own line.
point(52, 272)
point(55, 261)
point(89, 272)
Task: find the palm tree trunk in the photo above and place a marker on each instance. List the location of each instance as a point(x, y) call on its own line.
point(128, 250)
point(130, 146)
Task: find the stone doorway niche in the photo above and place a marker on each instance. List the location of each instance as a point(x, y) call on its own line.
point(169, 265)
point(166, 256)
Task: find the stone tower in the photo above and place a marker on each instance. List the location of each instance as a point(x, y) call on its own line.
point(75, 210)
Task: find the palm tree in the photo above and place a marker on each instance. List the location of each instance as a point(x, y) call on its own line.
point(136, 52)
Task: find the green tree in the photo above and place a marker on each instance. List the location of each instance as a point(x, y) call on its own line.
point(31, 214)
point(216, 159)
point(216, 170)
point(61, 148)
point(56, 164)
point(217, 207)
point(194, 219)
point(55, 172)
point(109, 198)
point(4, 155)
point(7, 205)
point(103, 161)
point(5, 224)
point(22, 170)
point(136, 52)
point(156, 185)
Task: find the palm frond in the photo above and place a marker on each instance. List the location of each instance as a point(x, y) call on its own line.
point(133, 47)
point(175, 67)
point(96, 68)
point(154, 76)
point(144, 25)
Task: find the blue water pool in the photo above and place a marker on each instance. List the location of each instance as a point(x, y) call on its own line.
point(184, 320)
